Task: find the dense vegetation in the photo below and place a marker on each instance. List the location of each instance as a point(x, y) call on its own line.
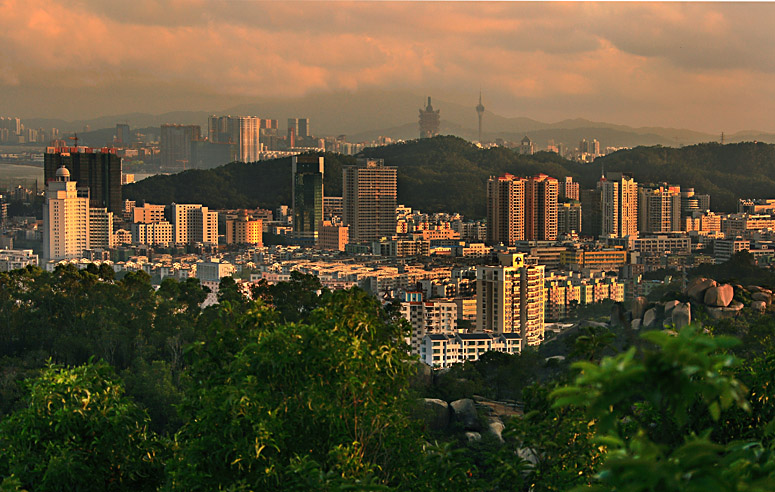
point(449, 174)
point(111, 385)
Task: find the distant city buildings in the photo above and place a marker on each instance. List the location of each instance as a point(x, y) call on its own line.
point(429, 121)
point(176, 146)
point(244, 230)
point(521, 209)
point(618, 205)
point(193, 223)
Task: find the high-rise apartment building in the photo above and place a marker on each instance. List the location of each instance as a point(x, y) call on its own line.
point(244, 230)
point(300, 129)
point(152, 233)
point(333, 236)
point(541, 208)
point(429, 121)
point(193, 223)
point(659, 208)
point(505, 209)
point(123, 136)
point(569, 217)
point(521, 209)
point(242, 131)
point(148, 213)
point(369, 199)
point(569, 189)
point(618, 205)
point(99, 171)
point(307, 196)
point(510, 298)
point(65, 219)
point(175, 146)
point(100, 228)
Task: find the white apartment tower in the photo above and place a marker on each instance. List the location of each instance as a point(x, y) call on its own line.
point(65, 219)
point(618, 205)
point(369, 200)
point(510, 298)
point(100, 228)
point(193, 224)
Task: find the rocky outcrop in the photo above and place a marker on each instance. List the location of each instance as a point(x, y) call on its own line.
point(762, 296)
point(464, 413)
point(436, 413)
point(719, 296)
point(696, 289)
point(638, 307)
point(681, 315)
point(669, 306)
point(760, 306)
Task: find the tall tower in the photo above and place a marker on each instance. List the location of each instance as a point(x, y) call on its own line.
point(480, 112)
point(95, 170)
point(65, 219)
point(307, 196)
point(429, 121)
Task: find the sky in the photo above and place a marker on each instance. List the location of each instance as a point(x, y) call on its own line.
point(704, 66)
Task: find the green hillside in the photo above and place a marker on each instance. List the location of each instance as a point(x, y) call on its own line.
point(449, 174)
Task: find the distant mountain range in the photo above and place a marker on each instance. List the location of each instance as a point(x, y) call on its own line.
point(365, 115)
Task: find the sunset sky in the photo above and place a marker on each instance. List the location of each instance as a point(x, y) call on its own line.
point(704, 66)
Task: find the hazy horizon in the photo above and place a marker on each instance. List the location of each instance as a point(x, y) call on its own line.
point(704, 67)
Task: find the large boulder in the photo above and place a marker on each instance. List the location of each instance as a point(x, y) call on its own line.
point(760, 306)
point(719, 296)
point(649, 318)
point(495, 427)
point(464, 413)
point(638, 306)
point(697, 287)
point(725, 312)
point(669, 306)
point(423, 378)
point(681, 315)
point(473, 436)
point(636, 324)
point(762, 296)
point(753, 288)
point(436, 413)
point(528, 455)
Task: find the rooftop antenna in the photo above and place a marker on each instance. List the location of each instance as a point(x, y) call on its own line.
point(722, 138)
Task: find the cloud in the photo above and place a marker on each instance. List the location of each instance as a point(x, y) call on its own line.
point(625, 62)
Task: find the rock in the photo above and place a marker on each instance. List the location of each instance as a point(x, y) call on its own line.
point(617, 316)
point(716, 312)
point(669, 306)
point(719, 296)
point(464, 412)
point(436, 413)
point(649, 318)
point(761, 296)
point(636, 324)
point(697, 287)
point(760, 306)
point(735, 306)
point(473, 436)
point(753, 288)
point(495, 427)
point(682, 315)
point(423, 378)
point(528, 455)
point(726, 312)
point(638, 306)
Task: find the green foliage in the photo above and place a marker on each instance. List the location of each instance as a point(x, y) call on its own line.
point(646, 410)
point(79, 431)
point(329, 392)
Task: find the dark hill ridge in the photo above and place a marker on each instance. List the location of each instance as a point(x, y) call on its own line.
point(449, 174)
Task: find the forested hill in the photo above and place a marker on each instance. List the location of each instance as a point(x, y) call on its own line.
point(449, 174)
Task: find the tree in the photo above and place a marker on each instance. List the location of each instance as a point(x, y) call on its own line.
point(79, 432)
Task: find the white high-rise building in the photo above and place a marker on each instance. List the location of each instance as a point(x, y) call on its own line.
point(510, 298)
point(619, 205)
point(65, 219)
point(100, 228)
point(193, 223)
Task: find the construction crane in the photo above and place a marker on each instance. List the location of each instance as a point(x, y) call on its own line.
point(75, 137)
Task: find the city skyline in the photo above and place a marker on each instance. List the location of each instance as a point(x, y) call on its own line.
point(689, 65)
